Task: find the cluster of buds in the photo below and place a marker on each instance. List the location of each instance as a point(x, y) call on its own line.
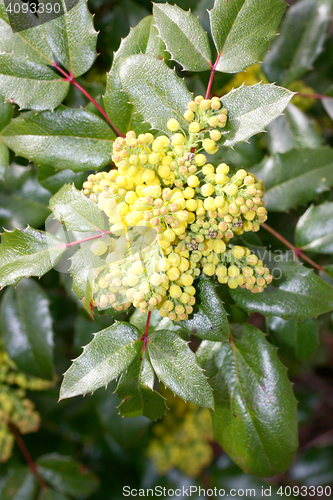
point(171, 216)
point(15, 408)
point(182, 439)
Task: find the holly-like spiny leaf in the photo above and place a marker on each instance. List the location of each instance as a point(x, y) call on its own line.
point(104, 359)
point(26, 328)
point(255, 418)
point(176, 366)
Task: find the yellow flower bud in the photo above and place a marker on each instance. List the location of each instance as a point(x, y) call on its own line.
point(200, 160)
point(189, 115)
point(209, 146)
point(98, 247)
point(238, 252)
point(215, 135)
point(193, 181)
point(207, 189)
point(175, 291)
point(194, 127)
point(173, 125)
point(223, 169)
point(177, 140)
point(209, 269)
point(219, 246)
point(233, 272)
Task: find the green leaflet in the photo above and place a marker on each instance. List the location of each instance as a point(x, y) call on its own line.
point(297, 340)
point(242, 30)
point(142, 39)
point(22, 199)
point(255, 419)
point(301, 40)
point(176, 366)
point(314, 229)
point(26, 328)
point(156, 92)
point(65, 138)
point(250, 109)
point(27, 252)
point(66, 476)
point(210, 322)
point(136, 390)
point(19, 483)
point(76, 211)
point(104, 359)
point(297, 292)
point(295, 177)
point(294, 129)
point(25, 56)
point(183, 36)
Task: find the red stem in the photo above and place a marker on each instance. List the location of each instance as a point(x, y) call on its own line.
point(27, 456)
point(71, 79)
point(211, 78)
point(297, 251)
point(73, 243)
point(314, 96)
point(145, 335)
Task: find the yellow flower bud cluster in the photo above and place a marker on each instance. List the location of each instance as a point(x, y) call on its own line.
point(15, 408)
point(182, 439)
point(171, 215)
point(237, 266)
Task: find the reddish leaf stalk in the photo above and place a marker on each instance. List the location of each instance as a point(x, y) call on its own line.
point(27, 456)
point(314, 96)
point(297, 251)
point(73, 243)
point(71, 79)
point(145, 335)
point(211, 78)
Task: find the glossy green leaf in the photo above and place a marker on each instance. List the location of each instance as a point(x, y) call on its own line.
point(139, 398)
point(53, 180)
point(104, 359)
point(314, 229)
point(29, 84)
point(328, 105)
point(291, 130)
point(75, 210)
point(25, 76)
point(156, 92)
point(176, 366)
point(209, 320)
point(26, 328)
point(27, 55)
point(296, 340)
point(19, 484)
point(255, 418)
point(143, 39)
point(251, 109)
point(299, 293)
point(242, 30)
point(72, 38)
point(66, 475)
point(26, 253)
point(22, 199)
point(65, 138)
point(183, 36)
point(296, 177)
point(301, 40)
point(6, 112)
